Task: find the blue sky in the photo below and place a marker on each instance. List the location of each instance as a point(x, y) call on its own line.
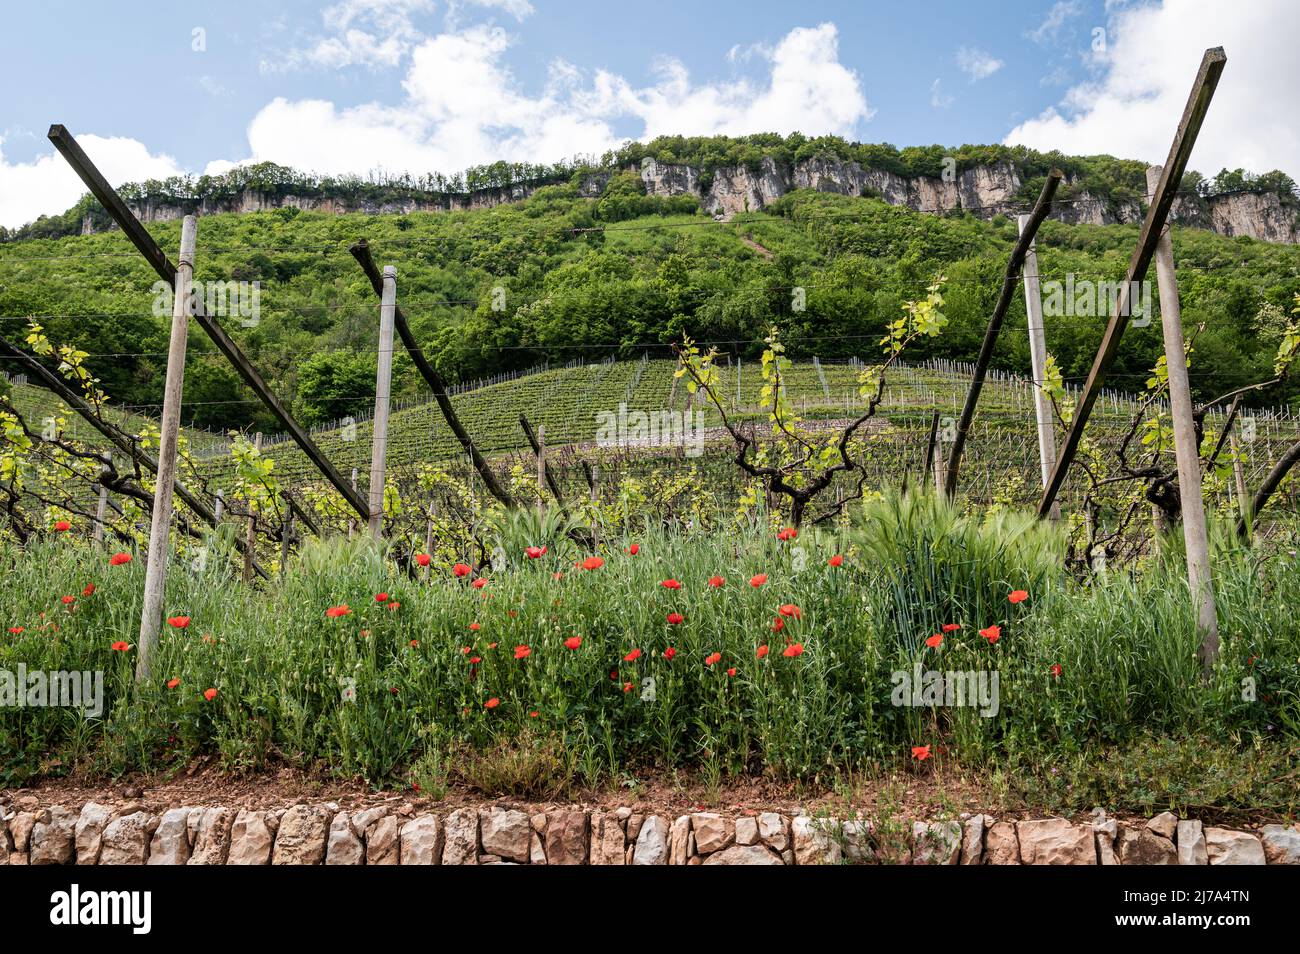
point(424, 85)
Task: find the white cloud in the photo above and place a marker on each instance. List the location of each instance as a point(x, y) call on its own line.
point(937, 98)
point(1048, 31)
point(371, 33)
point(48, 184)
point(977, 64)
point(1134, 107)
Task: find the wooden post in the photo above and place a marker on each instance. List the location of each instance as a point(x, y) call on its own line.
point(352, 523)
point(1162, 199)
point(541, 468)
point(1038, 363)
point(101, 506)
point(250, 535)
point(1186, 448)
point(383, 395)
point(155, 579)
point(428, 530)
point(286, 538)
point(1239, 477)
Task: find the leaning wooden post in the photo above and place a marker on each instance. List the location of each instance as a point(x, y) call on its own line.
point(541, 468)
point(1186, 448)
point(155, 579)
point(352, 523)
point(1038, 364)
point(383, 394)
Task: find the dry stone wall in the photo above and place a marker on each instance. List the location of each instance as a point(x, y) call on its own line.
point(309, 834)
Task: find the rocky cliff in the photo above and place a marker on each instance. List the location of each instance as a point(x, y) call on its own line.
point(725, 191)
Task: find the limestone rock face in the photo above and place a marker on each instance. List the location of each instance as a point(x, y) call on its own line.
point(936, 843)
point(713, 832)
point(382, 845)
point(1281, 844)
point(746, 831)
point(1191, 844)
point(567, 835)
point(774, 829)
point(1233, 847)
point(608, 846)
point(251, 839)
point(815, 841)
point(505, 832)
point(744, 855)
point(679, 837)
point(460, 838)
point(171, 843)
point(301, 837)
point(652, 842)
point(212, 838)
point(53, 840)
point(421, 841)
point(1054, 841)
point(126, 840)
point(1143, 846)
point(344, 846)
point(972, 840)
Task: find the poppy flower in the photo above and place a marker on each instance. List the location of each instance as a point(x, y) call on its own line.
point(211, 694)
point(68, 600)
point(789, 609)
point(717, 582)
point(89, 590)
point(836, 560)
point(534, 553)
point(762, 651)
point(627, 687)
point(778, 624)
point(16, 629)
point(951, 627)
point(992, 633)
point(462, 569)
point(523, 652)
point(474, 627)
point(634, 549)
point(670, 652)
point(675, 618)
point(794, 649)
point(492, 703)
point(178, 622)
point(334, 612)
point(121, 647)
point(935, 641)
point(394, 606)
point(671, 584)
point(1056, 670)
point(422, 559)
point(789, 533)
point(712, 658)
point(415, 643)
point(1018, 596)
point(920, 752)
point(479, 583)
point(117, 559)
point(381, 597)
point(633, 656)
point(557, 575)
point(534, 714)
point(573, 642)
point(173, 683)
point(63, 526)
point(592, 563)
point(758, 580)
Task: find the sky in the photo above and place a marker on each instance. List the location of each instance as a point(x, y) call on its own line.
point(154, 88)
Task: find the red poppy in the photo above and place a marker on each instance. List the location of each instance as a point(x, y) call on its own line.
point(121, 647)
point(1056, 670)
point(394, 606)
point(627, 687)
point(68, 600)
point(16, 629)
point(758, 580)
point(479, 583)
point(670, 652)
point(474, 627)
point(462, 569)
point(778, 624)
point(492, 703)
point(992, 633)
point(789, 533)
point(415, 643)
point(523, 652)
point(794, 649)
point(63, 526)
point(334, 612)
point(836, 560)
point(935, 641)
point(675, 618)
point(789, 609)
point(534, 714)
point(178, 622)
point(634, 549)
point(573, 642)
point(671, 585)
point(762, 651)
point(381, 597)
point(117, 559)
point(1018, 596)
point(89, 590)
point(423, 559)
point(633, 656)
point(951, 627)
point(920, 752)
point(173, 683)
point(557, 575)
point(712, 658)
point(534, 553)
point(592, 563)
point(209, 694)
